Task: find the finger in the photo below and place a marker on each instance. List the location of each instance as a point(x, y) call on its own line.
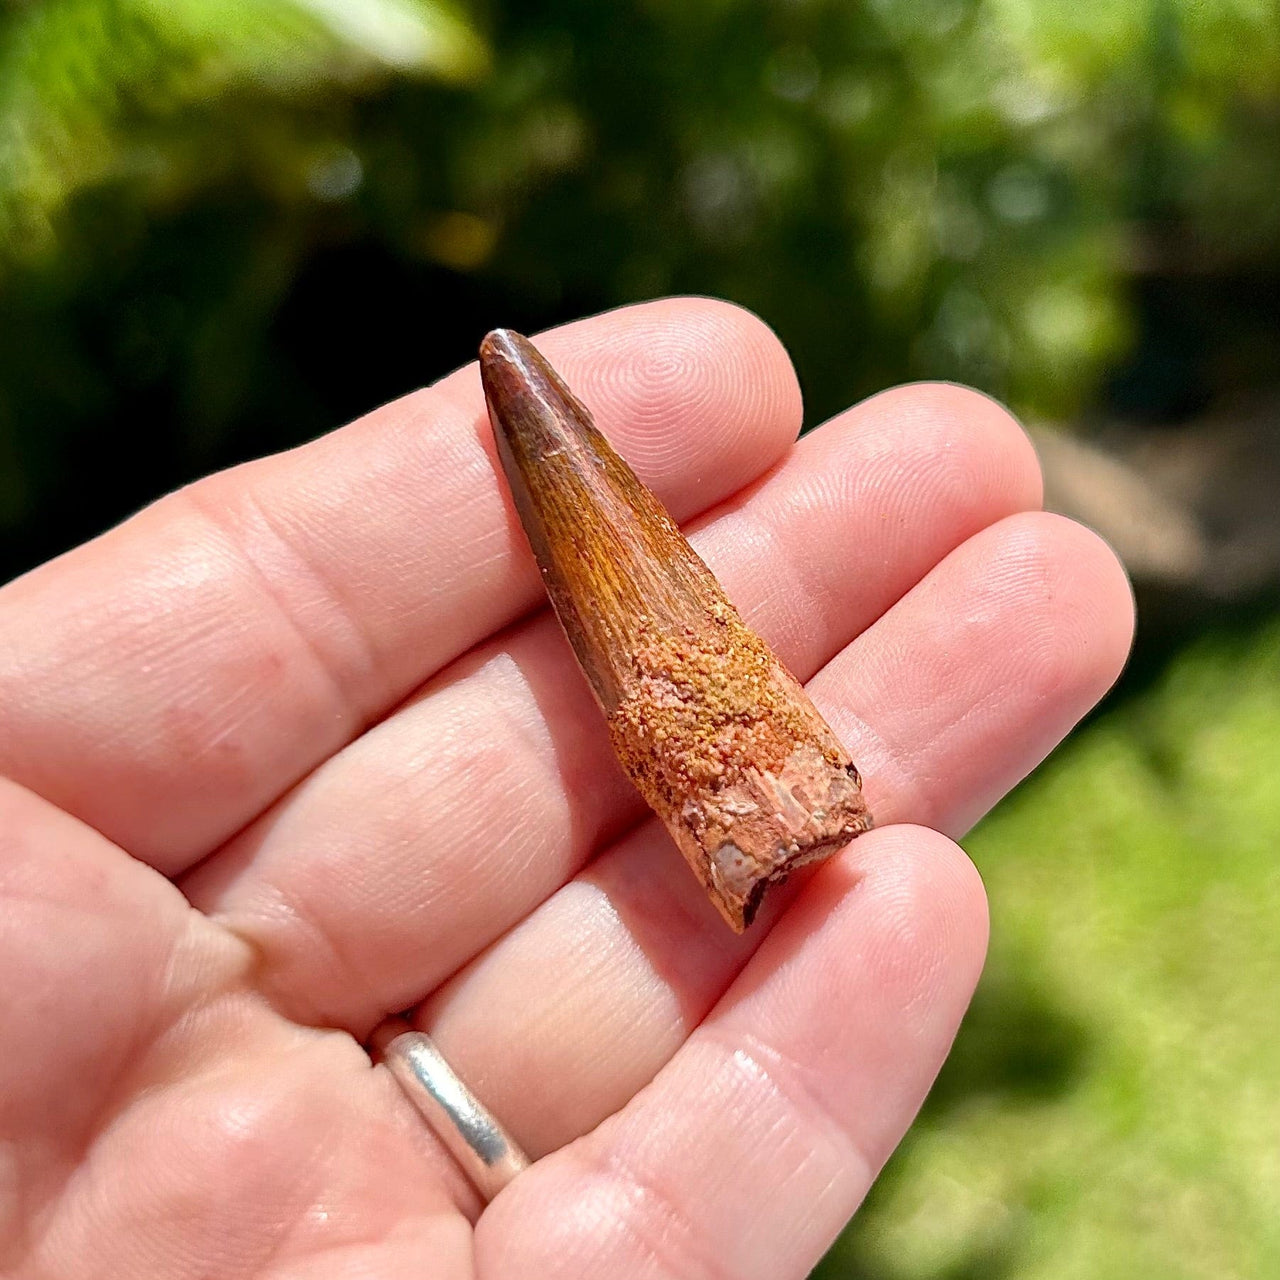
point(759, 1139)
point(93, 956)
point(169, 680)
point(355, 919)
point(957, 692)
point(158, 1118)
point(1038, 624)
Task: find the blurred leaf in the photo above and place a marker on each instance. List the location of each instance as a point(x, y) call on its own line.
point(83, 82)
point(421, 36)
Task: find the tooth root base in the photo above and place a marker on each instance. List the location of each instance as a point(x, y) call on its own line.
point(805, 812)
point(730, 753)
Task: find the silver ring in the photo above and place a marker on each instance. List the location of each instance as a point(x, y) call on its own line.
point(488, 1154)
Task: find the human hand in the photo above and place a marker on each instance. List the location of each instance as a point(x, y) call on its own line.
point(307, 697)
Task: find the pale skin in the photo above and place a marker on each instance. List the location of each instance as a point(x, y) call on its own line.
point(297, 748)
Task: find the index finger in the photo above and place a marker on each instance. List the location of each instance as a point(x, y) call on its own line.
point(167, 681)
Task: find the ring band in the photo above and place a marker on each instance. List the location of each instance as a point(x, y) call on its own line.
point(488, 1154)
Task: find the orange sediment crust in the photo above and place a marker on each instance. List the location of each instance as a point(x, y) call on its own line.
point(728, 750)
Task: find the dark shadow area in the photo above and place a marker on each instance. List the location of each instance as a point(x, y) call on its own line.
point(1157, 643)
point(1014, 1044)
point(275, 359)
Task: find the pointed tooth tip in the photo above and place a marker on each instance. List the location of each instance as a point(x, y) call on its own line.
point(504, 344)
point(509, 363)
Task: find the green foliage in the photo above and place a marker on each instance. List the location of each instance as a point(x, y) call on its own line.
point(1110, 1110)
point(954, 190)
point(109, 90)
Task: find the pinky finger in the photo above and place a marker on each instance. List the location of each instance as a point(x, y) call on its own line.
point(756, 1143)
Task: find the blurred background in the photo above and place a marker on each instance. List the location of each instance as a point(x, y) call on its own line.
point(229, 225)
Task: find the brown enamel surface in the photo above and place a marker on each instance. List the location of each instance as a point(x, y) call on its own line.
point(715, 733)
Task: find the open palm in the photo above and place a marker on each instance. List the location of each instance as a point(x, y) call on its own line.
point(318, 700)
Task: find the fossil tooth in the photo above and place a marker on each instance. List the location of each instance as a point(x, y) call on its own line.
point(716, 734)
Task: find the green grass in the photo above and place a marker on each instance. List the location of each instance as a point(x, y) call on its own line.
point(1112, 1107)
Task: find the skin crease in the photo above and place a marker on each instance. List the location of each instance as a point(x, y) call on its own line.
point(308, 698)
